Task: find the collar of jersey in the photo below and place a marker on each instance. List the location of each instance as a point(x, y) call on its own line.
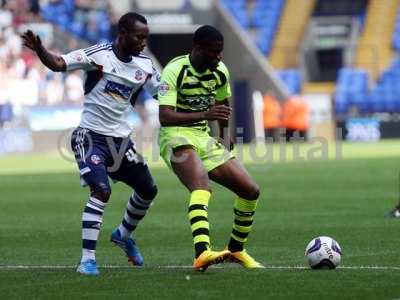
point(128, 60)
point(207, 71)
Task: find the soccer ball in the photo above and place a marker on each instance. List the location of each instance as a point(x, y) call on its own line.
point(323, 252)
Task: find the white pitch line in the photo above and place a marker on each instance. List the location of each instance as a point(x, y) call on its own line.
point(58, 267)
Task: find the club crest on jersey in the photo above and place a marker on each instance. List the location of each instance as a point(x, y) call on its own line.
point(95, 159)
point(163, 88)
point(138, 75)
point(117, 90)
point(211, 85)
point(78, 57)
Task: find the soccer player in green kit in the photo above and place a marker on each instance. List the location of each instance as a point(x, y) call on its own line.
point(195, 89)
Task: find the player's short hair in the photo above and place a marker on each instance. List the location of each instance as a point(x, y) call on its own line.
point(206, 35)
point(128, 20)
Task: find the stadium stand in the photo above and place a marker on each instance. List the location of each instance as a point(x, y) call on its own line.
point(261, 16)
point(90, 20)
point(375, 52)
point(351, 90)
point(292, 78)
point(293, 23)
point(353, 84)
point(385, 96)
point(25, 82)
point(396, 34)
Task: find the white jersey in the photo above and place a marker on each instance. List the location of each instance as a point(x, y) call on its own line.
point(111, 87)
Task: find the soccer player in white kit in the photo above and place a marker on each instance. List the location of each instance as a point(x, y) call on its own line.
point(116, 75)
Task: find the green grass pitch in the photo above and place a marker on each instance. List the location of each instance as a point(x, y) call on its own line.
point(40, 213)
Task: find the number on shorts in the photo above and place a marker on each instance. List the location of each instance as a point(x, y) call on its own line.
point(131, 156)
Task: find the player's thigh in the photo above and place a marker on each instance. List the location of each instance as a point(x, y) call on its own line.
point(90, 158)
point(234, 176)
point(213, 153)
point(187, 165)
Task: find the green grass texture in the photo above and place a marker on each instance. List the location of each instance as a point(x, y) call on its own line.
point(344, 196)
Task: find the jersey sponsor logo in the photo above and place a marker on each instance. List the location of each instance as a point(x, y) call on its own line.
point(138, 75)
point(118, 90)
point(199, 102)
point(163, 88)
point(95, 159)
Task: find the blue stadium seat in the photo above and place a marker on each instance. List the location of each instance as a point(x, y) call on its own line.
point(265, 17)
point(63, 21)
point(64, 15)
point(77, 29)
point(6, 112)
point(351, 90)
point(242, 18)
point(292, 79)
point(48, 13)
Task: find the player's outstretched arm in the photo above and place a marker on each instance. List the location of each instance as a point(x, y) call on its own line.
point(54, 62)
point(169, 117)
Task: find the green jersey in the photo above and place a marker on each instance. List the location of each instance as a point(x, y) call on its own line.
point(189, 91)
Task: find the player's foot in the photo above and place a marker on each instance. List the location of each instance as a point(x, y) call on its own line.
point(129, 247)
point(244, 259)
point(88, 267)
point(395, 213)
point(208, 258)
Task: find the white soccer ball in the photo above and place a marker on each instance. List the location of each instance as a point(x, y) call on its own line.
point(323, 252)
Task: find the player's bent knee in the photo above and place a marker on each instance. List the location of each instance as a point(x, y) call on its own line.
point(252, 193)
point(149, 193)
point(101, 194)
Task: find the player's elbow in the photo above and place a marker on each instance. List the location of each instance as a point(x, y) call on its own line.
point(56, 68)
point(58, 65)
point(164, 118)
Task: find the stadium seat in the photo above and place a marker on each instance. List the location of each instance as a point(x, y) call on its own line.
point(264, 16)
point(292, 79)
point(77, 29)
point(63, 21)
point(351, 90)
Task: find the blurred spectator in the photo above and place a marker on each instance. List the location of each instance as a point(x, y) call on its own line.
point(25, 82)
point(296, 117)
point(74, 88)
point(272, 117)
point(6, 113)
point(54, 89)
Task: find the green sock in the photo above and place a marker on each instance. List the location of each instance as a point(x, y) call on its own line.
point(244, 211)
point(198, 218)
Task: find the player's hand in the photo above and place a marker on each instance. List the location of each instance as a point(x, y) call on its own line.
point(218, 112)
point(31, 40)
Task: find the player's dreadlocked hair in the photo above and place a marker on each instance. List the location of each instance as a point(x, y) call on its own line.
point(127, 21)
point(206, 35)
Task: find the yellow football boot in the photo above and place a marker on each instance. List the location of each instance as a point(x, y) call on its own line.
point(209, 257)
point(244, 259)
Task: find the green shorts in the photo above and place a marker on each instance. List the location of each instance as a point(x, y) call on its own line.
point(211, 152)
